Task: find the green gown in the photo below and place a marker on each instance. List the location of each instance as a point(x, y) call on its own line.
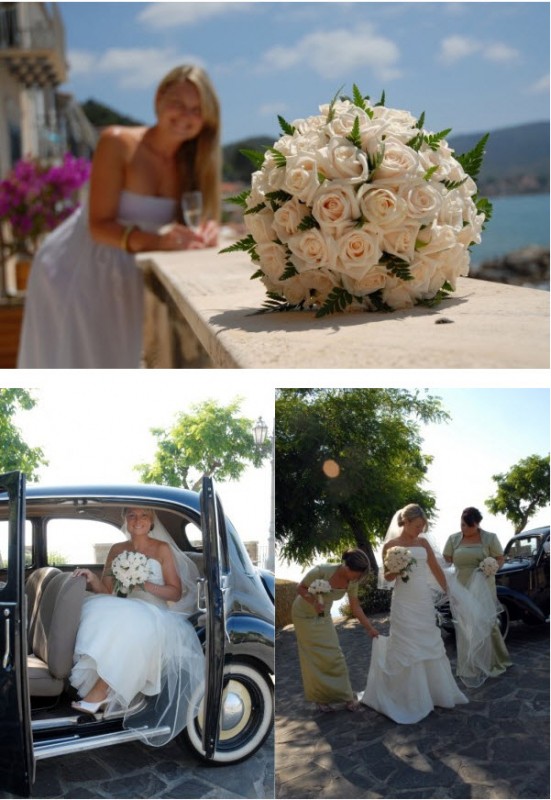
point(322, 663)
point(466, 559)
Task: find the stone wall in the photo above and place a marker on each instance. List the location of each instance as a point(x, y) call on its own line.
point(527, 267)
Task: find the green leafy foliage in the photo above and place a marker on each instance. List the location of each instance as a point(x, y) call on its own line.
point(354, 135)
point(521, 491)
point(307, 223)
point(374, 435)
point(255, 157)
point(397, 266)
point(16, 454)
point(472, 161)
point(211, 439)
point(337, 300)
point(245, 245)
point(285, 126)
point(279, 158)
point(240, 199)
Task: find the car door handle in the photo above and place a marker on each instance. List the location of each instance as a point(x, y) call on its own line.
point(7, 653)
point(201, 595)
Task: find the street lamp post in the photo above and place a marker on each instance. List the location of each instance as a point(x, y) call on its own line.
point(260, 433)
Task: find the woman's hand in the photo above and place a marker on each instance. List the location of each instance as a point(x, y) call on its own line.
point(372, 631)
point(178, 237)
point(92, 580)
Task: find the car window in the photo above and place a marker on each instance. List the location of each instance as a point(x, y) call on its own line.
point(525, 548)
point(79, 542)
point(4, 544)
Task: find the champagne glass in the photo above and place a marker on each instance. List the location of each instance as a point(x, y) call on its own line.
point(192, 210)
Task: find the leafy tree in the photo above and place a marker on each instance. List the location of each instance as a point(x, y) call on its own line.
point(371, 438)
point(521, 490)
point(15, 453)
point(210, 440)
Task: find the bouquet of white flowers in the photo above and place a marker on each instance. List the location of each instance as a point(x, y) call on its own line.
point(129, 569)
point(399, 561)
point(318, 588)
point(361, 208)
point(488, 566)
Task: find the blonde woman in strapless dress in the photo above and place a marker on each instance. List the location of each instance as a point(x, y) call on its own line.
point(84, 303)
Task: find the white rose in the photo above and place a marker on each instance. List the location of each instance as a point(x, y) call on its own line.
point(451, 211)
point(342, 159)
point(319, 281)
point(381, 206)
point(344, 119)
point(373, 280)
point(357, 251)
point(292, 290)
point(335, 205)
point(288, 217)
point(397, 294)
point(401, 242)
point(436, 238)
point(423, 201)
point(273, 259)
point(312, 249)
point(310, 124)
point(260, 225)
point(398, 160)
point(301, 177)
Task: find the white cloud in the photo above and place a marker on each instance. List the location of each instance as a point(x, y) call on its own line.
point(338, 52)
point(540, 86)
point(162, 16)
point(455, 48)
point(129, 68)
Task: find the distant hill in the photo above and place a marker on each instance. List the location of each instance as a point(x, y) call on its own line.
point(516, 161)
point(101, 115)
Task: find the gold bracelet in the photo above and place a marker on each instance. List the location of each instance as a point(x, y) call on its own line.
point(125, 236)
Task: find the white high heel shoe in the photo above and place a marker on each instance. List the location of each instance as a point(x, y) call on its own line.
point(90, 708)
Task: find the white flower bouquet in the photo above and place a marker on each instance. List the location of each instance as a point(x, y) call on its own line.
point(361, 208)
point(318, 588)
point(488, 566)
point(129, 569)
point(399, 560)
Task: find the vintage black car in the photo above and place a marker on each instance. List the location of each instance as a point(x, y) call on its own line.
point(522, 582)
point(44, 534)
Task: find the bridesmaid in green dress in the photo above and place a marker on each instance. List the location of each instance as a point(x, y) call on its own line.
point(322, 663)
point(465, 550)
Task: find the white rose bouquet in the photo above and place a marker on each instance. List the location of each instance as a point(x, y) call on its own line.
point(399, 561)
point(129, 569)
point(318, 588)
point(488, 566)
point(361, 208)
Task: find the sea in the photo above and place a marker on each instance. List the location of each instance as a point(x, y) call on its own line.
point(517, 221)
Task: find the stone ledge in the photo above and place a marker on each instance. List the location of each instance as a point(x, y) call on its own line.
point(484, 325)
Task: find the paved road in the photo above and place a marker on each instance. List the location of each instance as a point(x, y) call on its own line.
point(497, 746)
point(138, 771)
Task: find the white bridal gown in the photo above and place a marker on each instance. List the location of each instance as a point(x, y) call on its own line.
point(137, 645)
point(409, 673)
point(84, 303)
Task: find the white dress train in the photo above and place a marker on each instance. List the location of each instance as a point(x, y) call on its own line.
point(138, 646)
point(409, 673)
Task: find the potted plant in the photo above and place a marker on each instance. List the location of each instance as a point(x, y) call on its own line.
point(35, 198)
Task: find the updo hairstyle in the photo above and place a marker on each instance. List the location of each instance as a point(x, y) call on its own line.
point(409, 513)
point(356, 560)
point(471, 516)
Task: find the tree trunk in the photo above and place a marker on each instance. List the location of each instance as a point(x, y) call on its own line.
point(362, 540)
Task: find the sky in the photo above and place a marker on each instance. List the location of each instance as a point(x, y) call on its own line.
point(490, 430)
point(472, 67)
point(96, 428)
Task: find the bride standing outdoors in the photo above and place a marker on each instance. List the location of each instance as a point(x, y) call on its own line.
point(409, 673)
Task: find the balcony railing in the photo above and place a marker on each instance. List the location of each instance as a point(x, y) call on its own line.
point(34, 52)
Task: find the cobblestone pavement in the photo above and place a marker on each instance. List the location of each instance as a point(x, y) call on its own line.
point(138, 771)
point(497, 746)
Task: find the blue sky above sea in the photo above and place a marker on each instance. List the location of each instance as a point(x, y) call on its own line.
point(470, 66)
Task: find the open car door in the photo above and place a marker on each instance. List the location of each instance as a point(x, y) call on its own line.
point(16, 747)
point(216, 558)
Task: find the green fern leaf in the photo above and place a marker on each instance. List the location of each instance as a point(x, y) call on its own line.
point(285, 126)
point(358, 99)
point(245, 245)
point(421, 120)
point(331, 111)
point(278, 198)
point(255, 157)
point(381, 101)
point(290, 272)
point(450, 185)
point(279, 158)
point(472, 161)
point(433, 140)
point(307, 223)
point(354, 135)
point(397, 266)
point(240, 199)
point(430, 172)
point(337, 300)
point(255, 209)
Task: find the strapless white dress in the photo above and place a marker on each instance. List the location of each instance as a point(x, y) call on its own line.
point(138, 646)
point(84, 303)
point(409, 672)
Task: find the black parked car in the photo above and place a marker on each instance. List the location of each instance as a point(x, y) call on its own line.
point(44, 534)
point(522, 582)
